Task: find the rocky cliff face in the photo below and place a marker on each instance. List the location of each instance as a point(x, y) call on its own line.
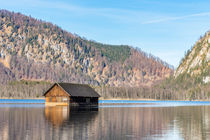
point(32, 49)
point(197, 60)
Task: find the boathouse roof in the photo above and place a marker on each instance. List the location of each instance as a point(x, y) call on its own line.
point(76, 90)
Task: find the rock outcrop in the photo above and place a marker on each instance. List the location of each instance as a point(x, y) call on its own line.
point(36, 50)
point(197, 60)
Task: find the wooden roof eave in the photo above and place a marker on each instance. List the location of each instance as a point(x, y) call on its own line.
point(69, 91)
point(49, 89)
point(59, 86)
point(64, 90)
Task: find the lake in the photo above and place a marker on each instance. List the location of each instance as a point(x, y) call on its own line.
point(112, 120)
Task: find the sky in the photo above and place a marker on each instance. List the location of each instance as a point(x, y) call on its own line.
point(164, 28)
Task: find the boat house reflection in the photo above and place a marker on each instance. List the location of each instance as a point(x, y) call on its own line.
point(57, 114)
point(64, 115)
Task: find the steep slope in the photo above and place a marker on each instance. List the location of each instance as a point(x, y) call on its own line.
point(196, 63)
point(36, 50)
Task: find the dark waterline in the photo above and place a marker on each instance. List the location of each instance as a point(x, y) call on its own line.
point(127, 120)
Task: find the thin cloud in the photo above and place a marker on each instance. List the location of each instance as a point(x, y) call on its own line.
point(176, 18)
point(112, 13)
point(117, 15)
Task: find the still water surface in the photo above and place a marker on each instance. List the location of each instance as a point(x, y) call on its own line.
point(113, 120)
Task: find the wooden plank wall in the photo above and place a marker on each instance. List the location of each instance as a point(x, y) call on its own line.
point(56, 91)
point(55, 94)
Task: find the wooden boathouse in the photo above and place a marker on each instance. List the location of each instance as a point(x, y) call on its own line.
point(71, 94)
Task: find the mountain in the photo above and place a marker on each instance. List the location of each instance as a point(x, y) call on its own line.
point(32, 49)
point(196, 62)
point(191, 80)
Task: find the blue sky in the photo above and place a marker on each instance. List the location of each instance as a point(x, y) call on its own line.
point(164, 28)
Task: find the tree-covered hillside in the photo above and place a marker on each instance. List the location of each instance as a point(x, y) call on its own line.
point(196, 61)
point(191, 80)
point(32, 49)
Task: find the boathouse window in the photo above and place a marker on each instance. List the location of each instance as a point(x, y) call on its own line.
point(87, 100)
point(65, 99)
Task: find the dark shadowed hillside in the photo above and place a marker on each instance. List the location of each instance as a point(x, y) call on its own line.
point(32, 49)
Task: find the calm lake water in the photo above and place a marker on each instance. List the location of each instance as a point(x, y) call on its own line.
point(113, 120)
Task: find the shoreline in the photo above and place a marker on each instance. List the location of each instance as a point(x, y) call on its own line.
point(111, 99)
point(23, 98)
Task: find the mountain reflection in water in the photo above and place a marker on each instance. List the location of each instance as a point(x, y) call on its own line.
point(135, 123)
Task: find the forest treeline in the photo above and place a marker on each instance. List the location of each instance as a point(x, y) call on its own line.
point(184, 87)
point(169, 89)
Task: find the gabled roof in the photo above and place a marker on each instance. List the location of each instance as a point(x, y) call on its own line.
point(76, 90)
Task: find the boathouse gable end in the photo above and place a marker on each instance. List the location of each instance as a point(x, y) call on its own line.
point(56, 91)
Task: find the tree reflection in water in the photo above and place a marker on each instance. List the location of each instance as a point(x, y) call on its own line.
point(61, 122)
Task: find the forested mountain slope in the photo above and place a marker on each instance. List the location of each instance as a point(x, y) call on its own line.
point(32, 49)
point(191, 80)
point(196, 62)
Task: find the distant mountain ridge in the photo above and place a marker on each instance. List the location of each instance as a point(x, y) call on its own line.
point(32, 49)
point(196, 62)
